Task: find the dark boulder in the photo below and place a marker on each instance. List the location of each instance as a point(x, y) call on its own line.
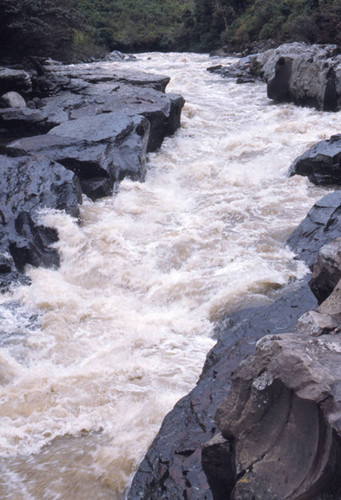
point(27, 185)
point(320, 227)
point(22, 122)
point(307, 75)
point(321, 163)
point(176, 464)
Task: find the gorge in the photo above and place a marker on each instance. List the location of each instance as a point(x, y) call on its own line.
point(95, 353)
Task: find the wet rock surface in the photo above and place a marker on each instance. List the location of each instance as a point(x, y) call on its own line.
point(86, 127)
point(321, 163)
point(173, 466)
point(320, 227)
point(265, 426)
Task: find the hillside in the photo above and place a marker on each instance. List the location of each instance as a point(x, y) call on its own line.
point(76, 29)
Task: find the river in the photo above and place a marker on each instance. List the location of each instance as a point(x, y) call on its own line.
point(101, 349)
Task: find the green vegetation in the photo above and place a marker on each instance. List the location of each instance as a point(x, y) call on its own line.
point(74, 29)
point(136, 24)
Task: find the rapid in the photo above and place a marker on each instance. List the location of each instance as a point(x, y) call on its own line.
point(94, 354)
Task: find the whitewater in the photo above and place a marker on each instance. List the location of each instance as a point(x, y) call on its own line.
point(94, 354)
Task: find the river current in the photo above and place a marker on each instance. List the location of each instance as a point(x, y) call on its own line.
point(101, 349)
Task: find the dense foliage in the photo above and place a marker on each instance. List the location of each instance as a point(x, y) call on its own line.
point(71, 29)
point(37, 27)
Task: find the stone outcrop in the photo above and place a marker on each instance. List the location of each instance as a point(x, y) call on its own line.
point(174, 466)
point(307, 75)
point(283, 419)
point(87, 127)
point(321, 163)
point(27, 185)
point(268, 429)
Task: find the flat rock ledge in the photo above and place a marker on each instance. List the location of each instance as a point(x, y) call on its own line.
point(307, 75)
point(65, 132)
point(264, 420)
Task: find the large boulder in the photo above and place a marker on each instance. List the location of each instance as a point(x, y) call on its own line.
point(283, 419)
point(179, 463)
point(321, 163)
point(93, 128)
point(306, 75)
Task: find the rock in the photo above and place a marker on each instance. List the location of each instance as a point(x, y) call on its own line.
point(116, 55)
point(27, 185)
point(283, 417)
point(316, 323)
point(308, 75)
point(327, 270)
point(14, 80)
point(331, 305)
point(91, 129)
point(321, 163)
point(22, 122)
point(173, 467)
point(12, 100)
point(305, 75)
point(246, 69)
point(101, 149)
point(320, 227)
point(217, 459)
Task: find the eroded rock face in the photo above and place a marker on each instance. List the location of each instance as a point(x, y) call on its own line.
point(321, 163)
point(180, 461)
point(308, 75)
point(283, 417)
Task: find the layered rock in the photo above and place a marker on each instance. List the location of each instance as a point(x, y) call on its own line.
point(87, 127)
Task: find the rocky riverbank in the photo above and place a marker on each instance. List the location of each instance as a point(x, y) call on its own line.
point(68, 131)
point(307, 75)
point(263, 421)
